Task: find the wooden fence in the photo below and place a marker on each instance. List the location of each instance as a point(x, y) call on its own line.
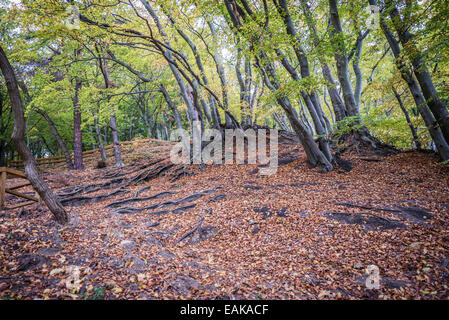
point(94, 153)
point(6, 173)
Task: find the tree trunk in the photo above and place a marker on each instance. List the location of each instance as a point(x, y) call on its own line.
point(434, 130)
point(18, 141)
point(244, 85)
point(175, 111)
point(168, 55)
point(100, 140)
point(310, 98)
point(91, 131)
point(314, 155)
point(77, 133)
point(54, 130)
point(207, 108)
point(337, 103)
point(50, 122)
point(358, 71)
point(342, 59)
point(115, 141)
point(434, 102)
point(108, 83)
point(416, 141)
point(219, 66)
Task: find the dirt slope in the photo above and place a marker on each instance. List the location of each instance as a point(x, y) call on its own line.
point(224, 232)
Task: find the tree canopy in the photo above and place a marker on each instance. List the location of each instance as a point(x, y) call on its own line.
point(319, 68)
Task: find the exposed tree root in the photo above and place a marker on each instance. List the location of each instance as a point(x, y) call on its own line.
point(370, 223)
point(136, 194)
point(199, 233)
point(113, 183)
point(363, 142)
point(216, 198)
point(371, 160)
point(184, 208)
point(170, 203)
point(412, 214)
point(352, 205)
point(81, 200)
point(192, 231)
point(134, 199)
point(148, 175)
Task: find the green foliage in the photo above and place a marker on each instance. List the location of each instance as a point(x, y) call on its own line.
point(43, 51)
point(347, 125)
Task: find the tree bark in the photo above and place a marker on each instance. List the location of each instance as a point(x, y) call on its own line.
point(18, 141)
point(409, 121)
point(100, 140)
point(218, 61)
point(77, 133)
point(115, 141)
point(357, 70)
point(193, 115)
point(50, 122)
point(178, 119)
point(54, 130)
point(315, 156)
point(434, 130)
point(310, 98)
point(244, 85)
point(429, 92)
point(208, 109)
point(342, 59)
point(108, 83)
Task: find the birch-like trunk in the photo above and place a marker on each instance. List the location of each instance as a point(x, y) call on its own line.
point(18, 140)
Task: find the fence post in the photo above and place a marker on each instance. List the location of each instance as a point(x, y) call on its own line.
point(2, 187)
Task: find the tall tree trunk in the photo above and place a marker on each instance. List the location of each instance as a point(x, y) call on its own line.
point(100, 140)
point(108, 83)
point(314, 155)
point(193, 115)
point(415, 138)
point(244, 85)
point(280, 121)
point(207, 107)
point(434, 130)
point(91, 131)
point(329, 107)
point(219, 66)
point(18, 140)
point(178, 119)
point(310, 98)
point(434, 102)
point(358, 71)
point(77, 133)
point(337, 103)
point(54, 130)
point(342, 59)
point(115, 141)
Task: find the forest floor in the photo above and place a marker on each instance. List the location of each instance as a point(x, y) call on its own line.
point(226, 232)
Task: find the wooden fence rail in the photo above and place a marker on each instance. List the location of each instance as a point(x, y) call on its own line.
point(86, 154)
point(6, 173)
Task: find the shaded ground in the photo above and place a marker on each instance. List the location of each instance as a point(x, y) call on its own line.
point(226, 232)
